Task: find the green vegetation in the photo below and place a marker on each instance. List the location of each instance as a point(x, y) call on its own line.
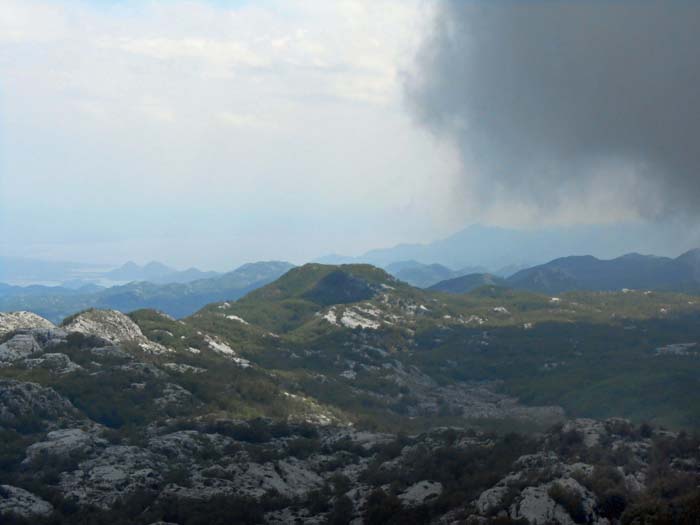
point(591, 352)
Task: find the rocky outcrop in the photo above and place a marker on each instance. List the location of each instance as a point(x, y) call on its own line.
point(62, 445)
point(421, 493)
point(116, 473)
point(18, 347)
point(538, 506)
point(114, 327)
point(26, 342)
point(55, 362)
point(544, 488)
point(290, 478)
point(182, 368)
point(15, 501)
point(11, 321)
point(174, 397)
point(109, 325)
point(24, 403)
point(186, 445)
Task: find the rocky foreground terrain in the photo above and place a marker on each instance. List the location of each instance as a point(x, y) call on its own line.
point(100, 424)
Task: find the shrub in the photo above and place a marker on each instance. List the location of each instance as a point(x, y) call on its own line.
point(612, 505)
point(342, 511)
point(571, 500)
point(381, 508)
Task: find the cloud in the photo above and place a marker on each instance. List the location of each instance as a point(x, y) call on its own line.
point(225, 53)
point(225, 120)
point(554, 103)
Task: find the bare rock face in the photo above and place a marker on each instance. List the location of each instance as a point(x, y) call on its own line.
point(26, 342)
point(109, 325)
point(55, 362)
point(182, 368)
point(18, 502)
point(21, 402)
point(537, 503)
point(290, 478)
point(18, 347)
point(116, 473)
point(491, 499)
point(364, 439)
point(537, 506)
point(11, 321)
point(184, 445)
point(114, 327)
point(421, 493)
point(63, 444)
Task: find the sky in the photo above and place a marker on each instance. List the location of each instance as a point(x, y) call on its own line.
point(212, 133)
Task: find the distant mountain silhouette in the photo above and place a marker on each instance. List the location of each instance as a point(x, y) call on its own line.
point(467, 283)
point(632, 271)
point(156, 272)
point(425, 275)
point(504, 251)
point(176, 299)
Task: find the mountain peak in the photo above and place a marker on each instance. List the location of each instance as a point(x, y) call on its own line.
point(693, 254)
point(467, 283)
point(156, 265)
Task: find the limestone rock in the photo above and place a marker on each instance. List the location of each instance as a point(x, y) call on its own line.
point(491, 499)
point(117, 472)
point(109, 325)
point(420, 493)
point(174, 396)
point(55, 362)
point(11, 321)
point(62, 444)
point(185, 445)
point(22, 401)
point(19, 502)
point(18, 347)
point(182, 368)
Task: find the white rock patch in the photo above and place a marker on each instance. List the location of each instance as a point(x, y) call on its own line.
point(183, 368)
point(352, 318)
point(421, 492)
point(222, 348)
point(16, 320)
point(111, 325)
point(331, 316)
point(219, 346)
point(236, 318)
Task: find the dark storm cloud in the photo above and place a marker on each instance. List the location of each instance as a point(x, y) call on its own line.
point(545, 95)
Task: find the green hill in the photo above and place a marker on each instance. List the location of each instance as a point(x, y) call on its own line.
point(467, 283)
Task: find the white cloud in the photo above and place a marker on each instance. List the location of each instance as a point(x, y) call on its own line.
point(274, 124)
point(30, 21)
point(218, 53)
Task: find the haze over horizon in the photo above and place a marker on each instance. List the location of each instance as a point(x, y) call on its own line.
point(214, 133)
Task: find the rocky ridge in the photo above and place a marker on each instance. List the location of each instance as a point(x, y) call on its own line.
point(134, 415)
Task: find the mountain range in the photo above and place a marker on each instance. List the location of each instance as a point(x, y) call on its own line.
point(631, 271)
point(425, 275)
point(503, 251)
point(156, 272)
point(176, 299)
point(23, 271)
